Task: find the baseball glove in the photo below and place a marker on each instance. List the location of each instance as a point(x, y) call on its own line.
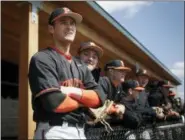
point(100, 114)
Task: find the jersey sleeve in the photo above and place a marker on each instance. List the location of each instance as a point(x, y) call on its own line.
point(90, 83)
point(102, 82)
point(43, 77)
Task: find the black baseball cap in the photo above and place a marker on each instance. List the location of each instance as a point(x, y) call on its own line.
point(116, 64)
point(64, 12)
point(133, 84)
point(142, 72)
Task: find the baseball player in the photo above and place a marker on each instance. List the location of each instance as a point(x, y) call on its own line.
point(90, 54)
point(135, 114)
point(159, 94)
point(143, 79)
point(175, 101)
point(116, 72)
point(142, 99)
point(62, 86)
point(131, 89)
point(159, 97)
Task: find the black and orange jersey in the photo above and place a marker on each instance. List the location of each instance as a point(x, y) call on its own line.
point(49, 69)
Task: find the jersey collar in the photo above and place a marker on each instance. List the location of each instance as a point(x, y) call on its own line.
point(68, 57)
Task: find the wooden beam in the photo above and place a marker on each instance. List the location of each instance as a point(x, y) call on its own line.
point(10, 25)
point(10, 35)
point(102, 41)
point(28, 47)
point(10, 9)
point(9, 49)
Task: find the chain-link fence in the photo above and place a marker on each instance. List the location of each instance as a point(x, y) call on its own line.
point(173, 130)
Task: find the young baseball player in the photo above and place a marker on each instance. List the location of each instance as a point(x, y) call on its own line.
point(90, 53)
point(115, 75)
point(62, 86)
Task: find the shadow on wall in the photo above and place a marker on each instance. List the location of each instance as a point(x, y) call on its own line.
point(9, 99)
point(9, 117)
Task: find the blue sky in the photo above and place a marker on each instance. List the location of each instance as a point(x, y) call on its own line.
point(159, 26)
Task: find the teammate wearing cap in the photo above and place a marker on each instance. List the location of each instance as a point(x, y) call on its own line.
point(130, 89)
point(135, 115)
point(175, 101)
point(90, 53)
point(62, 86)
point(143, 79)
point(159, 94)
point(115, 74)
point(166, 85)
point(131, 119)
point(159, 97)
point(142, 98)
point(171, 97)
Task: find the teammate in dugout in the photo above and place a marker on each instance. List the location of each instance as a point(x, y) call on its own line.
point(116, 72)
point(90, 53)
point(175, 101)
point(143, 79)
point(143, 106)
point(159, 97)
point(62, 86)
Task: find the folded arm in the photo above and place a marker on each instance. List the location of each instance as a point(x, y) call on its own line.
point(58, 102)
point(88, 98)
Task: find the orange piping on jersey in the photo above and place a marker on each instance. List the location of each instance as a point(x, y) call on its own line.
point(46, 91)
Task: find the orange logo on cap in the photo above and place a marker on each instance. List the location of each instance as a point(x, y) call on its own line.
point(122, 64)
point(144, 71)
point(66, 10)
point(169, 83)
point(92, 44)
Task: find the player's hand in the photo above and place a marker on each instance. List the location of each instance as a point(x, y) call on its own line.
point(116, 109)
point(172, 113)
point(120, 109)
point(158, 109)
point(111, 109)
point(159, 112)
point(160, 115)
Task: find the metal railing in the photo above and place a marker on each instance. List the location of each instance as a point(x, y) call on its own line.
point(173, 130)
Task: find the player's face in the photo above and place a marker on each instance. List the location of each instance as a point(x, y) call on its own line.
point(89, 57)
point(64, 29)
point(143, 80)
point(119, 75)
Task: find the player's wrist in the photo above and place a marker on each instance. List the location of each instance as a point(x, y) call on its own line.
point(69, 90)
point(77, 94)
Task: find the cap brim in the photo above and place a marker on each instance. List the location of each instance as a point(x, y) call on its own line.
point(77, 17)
point(95, 48)
point(171, 94)
point(168, 86)
point(122, 68)
point(139, 88)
